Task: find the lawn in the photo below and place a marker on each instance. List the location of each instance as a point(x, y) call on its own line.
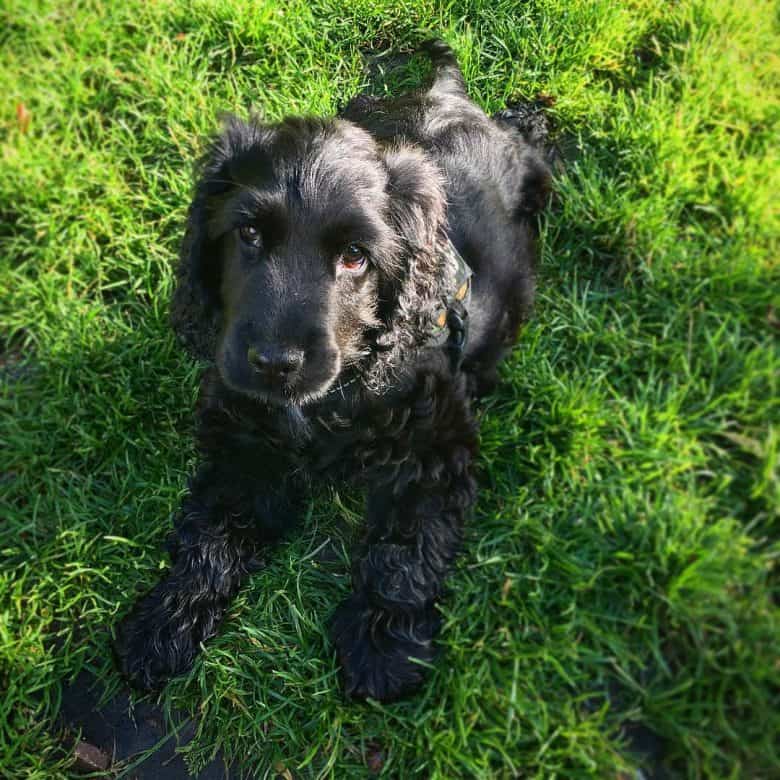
point(621, 571)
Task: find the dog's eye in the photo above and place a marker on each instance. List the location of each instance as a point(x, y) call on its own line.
point(249, 235)
point(354, 258)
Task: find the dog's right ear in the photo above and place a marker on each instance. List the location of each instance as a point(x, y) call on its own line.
point(196, 307)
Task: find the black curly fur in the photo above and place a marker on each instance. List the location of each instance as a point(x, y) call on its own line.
point(371, 400)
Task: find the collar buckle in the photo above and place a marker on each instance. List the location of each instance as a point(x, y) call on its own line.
point(450, 325)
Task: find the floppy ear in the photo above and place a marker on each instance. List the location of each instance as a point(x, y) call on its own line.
point(417, 211)
point(417, 201)
point(196, 307)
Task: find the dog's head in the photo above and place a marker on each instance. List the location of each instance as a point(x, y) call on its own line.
point(302, 237)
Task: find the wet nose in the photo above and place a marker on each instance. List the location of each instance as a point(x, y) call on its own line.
point(277, 364)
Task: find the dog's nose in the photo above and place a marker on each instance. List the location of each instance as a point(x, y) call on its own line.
point(275, 363)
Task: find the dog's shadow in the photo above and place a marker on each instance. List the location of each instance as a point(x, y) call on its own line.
point(134, 739)
point(392, 73)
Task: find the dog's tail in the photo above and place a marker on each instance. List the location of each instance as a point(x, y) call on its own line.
point(447, 75)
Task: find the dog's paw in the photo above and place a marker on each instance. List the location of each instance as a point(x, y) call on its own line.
point(379, 652)
point(153, 645)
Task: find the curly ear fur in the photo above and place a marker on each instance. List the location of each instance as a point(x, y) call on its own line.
point(195, 304)
point(417, 204)
point(417, 210)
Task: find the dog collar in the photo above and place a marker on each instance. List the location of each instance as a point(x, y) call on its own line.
point(449, 322)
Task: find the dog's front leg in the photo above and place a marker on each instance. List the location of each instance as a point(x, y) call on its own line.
point(222, 523)
point(414, 530)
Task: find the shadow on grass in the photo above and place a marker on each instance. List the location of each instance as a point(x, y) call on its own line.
point(127, 738)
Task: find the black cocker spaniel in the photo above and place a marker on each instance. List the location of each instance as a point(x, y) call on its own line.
point(353, 282)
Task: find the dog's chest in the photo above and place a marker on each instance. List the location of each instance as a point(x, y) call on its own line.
point(333, 446)
point(354, 441)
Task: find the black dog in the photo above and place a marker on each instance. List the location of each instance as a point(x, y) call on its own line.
point(323, 274)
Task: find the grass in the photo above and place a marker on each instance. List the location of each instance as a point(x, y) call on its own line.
point(623, 564)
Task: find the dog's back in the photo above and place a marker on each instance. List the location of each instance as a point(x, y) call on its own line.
point(496, 180)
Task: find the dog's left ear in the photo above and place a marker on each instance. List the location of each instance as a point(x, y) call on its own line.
point(417, 200)
point(417, 212)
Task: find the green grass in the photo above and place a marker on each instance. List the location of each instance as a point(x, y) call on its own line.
point(622, 564)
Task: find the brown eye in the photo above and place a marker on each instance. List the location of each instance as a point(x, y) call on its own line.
point(354, 258)
point(249, 235)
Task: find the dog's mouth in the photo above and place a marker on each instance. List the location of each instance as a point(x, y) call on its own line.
point(289, 396)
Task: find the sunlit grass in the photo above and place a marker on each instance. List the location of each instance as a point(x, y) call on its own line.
point(621, 563)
